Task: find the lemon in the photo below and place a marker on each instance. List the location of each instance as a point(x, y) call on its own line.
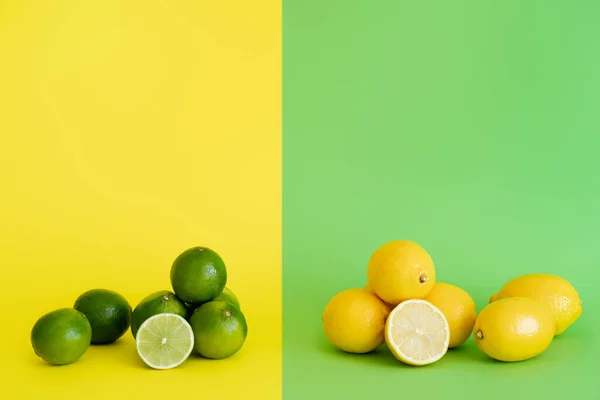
point(458, 308)
point(354, 321)
point(400, 270)
point(514, 329)
point(369, 289)
point(417, 332)
point(553, 290)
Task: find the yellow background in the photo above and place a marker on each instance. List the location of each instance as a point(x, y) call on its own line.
point(130, 131)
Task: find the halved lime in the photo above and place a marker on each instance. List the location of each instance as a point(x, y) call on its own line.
point(164, 341)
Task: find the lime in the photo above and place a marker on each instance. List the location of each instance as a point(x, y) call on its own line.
point(164, 341)
point(109, 314)
point(228, 296)
point(61, 336)
point(198, 275)
point(219, 329)
point(156, 303)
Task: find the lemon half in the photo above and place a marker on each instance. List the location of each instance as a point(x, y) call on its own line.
point(417, 332)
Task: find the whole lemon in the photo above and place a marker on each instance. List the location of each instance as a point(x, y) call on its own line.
point(400, 270)
point(514, 329)
point(354, 321)
point(556, 292)
point(458, 307)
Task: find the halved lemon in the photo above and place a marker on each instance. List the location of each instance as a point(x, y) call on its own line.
point(417, 332)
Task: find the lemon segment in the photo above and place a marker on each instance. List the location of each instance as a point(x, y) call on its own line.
point(417, 332)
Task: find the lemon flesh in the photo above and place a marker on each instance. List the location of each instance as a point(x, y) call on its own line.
point(165, 341)
point(417, 332)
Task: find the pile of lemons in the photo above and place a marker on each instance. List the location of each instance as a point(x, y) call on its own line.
point(419, 319)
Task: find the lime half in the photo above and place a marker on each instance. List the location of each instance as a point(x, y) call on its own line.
point(164, 341)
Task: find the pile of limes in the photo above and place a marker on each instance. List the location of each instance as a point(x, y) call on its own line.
point(202, 315)
point(419, 319)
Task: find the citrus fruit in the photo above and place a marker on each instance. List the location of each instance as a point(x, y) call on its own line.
point(228, 296)
point(553, 290)
point(220, 329)
point(354, 320)
point(109, 314)
point(61, 336)
point(367, 288)
point(198, 275)
point(164, 341)
point(458, 307)
point(514, 329)
point(161, 302)
point(417, 332)
point(400, 270)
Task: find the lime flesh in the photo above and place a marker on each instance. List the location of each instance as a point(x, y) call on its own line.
point(165, 341)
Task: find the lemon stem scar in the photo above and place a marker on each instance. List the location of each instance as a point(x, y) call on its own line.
point(422, 279)
point(479, 334)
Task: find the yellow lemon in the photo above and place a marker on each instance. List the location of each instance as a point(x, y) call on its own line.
point(369, 289)
point(514, 329)
point(556, 292)
point(458, 308)
point(417, 332)
point(354, 321)
point(400, 270)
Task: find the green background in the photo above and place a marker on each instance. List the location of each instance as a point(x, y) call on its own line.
point(470, 127)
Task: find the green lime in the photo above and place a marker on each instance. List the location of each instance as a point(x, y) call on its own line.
point(228, 296)
point(164, 341)
point(198, 275)
point(109, 314)
point(220, 329)
point(156, 303)
point(61, 336)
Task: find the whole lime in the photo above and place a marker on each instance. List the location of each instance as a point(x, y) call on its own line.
point(220, 329)
point(109, 314)
point(61, 336)
point(198, 275)
point(161, 302)
point(228, 296)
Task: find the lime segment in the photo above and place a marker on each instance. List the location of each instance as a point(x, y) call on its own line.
point(164, 341)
